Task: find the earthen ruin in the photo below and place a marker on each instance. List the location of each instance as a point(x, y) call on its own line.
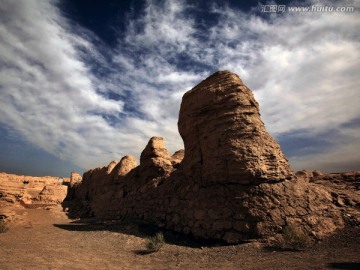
point(231, 183)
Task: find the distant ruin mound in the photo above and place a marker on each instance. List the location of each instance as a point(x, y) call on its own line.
point(29, 192)
point(32, 190)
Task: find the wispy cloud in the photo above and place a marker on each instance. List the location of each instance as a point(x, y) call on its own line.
point(47, 92)
point(73, 96)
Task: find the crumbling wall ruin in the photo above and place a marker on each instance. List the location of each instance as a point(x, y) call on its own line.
point(231, 183)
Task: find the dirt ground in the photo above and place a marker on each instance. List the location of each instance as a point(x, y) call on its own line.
point(47, 239)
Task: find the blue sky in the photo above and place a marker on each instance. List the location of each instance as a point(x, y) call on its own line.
point(85, 82)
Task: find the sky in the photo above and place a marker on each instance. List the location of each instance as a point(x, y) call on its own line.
point(86, 82)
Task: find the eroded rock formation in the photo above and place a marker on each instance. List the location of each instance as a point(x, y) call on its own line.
point(224, 137)
point(18, 191)
point(233, 183)
point(125, 165)
point(343, 188)
point(32, 190)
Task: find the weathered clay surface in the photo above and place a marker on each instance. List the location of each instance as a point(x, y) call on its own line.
point(31, 190)
point(155, 160)
point(233, 184)
point(224, 137)
point(125, 165)
point(75, 179)
point(52, 194)
point(344, 190)
point(18, 191)
point(177, 157)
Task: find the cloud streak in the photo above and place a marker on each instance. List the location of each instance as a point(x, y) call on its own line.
point(46, 91)
point(73, 96)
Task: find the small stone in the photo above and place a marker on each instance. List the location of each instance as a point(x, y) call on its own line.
point(339, 202)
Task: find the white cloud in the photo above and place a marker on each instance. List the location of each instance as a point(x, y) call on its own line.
point(302, 67)
point(46, 91)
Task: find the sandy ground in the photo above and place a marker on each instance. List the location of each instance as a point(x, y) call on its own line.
point(47, 239)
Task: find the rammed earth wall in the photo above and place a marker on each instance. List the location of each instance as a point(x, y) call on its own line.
point(232, 183)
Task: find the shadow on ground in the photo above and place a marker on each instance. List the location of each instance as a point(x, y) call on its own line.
point(345, 266)
point(139, 229)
